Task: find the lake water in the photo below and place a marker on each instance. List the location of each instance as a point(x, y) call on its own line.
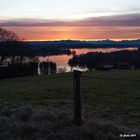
point(62, 60)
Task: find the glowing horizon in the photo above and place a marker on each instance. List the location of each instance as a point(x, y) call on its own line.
point(120, 39)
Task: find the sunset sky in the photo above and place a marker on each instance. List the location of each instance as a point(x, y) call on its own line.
point(71, 19)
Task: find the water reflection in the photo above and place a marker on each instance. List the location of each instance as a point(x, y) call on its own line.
point(62, 60)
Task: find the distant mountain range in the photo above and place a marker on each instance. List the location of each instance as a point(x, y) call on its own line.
point(67, 44)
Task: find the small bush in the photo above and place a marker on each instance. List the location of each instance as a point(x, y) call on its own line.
point(102, 130)
point(44, 116)
point(6, 111)
point(24, 113)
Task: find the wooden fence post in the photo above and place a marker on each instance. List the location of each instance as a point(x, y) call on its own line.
point(77, 98)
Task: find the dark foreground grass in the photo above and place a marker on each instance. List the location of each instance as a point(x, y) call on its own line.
point(107, 95)
point(26, 123)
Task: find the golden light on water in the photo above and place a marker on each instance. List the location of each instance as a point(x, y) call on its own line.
point(62, 60)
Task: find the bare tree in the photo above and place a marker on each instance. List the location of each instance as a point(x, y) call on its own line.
point(11, 47)
point(8, 41)
point(6, 35)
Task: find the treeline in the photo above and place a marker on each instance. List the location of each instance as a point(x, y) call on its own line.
point(26, 69)
point(48, 68)
point(18, 70)
point(45, 48)
point(119, 59)
point(43, 51)
point(16, 59)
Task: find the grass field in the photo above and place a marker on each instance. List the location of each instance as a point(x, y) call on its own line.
point(110, 95)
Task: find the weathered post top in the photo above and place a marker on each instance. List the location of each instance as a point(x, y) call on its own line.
point(76, 73)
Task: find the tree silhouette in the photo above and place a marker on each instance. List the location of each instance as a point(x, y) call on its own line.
point(8, 45)
point(12, 48)
point(15, 58)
